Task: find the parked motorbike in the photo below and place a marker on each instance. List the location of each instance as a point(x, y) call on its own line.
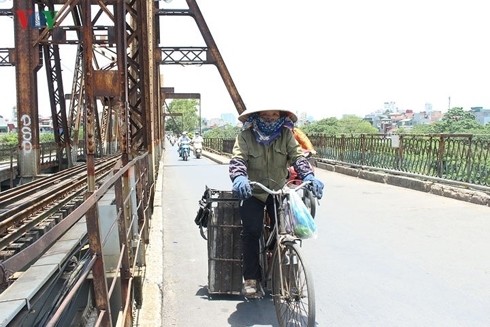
point(185, 150)
point(197, 149)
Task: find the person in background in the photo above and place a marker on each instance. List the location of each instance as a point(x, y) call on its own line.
point(304, 142)
point(308, 152)
point(182, 139)
point(262, 152)
point(197, 139)
point(197, 144)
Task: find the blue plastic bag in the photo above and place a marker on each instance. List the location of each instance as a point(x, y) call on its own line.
point(302, 222)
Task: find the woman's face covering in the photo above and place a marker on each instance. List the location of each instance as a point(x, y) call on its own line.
point(270, 115)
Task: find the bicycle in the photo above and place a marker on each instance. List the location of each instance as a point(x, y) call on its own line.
point(291, 282)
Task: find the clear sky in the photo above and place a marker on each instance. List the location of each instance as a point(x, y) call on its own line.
point(327, 58)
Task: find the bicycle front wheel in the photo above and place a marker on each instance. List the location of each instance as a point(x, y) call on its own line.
point(292, 288)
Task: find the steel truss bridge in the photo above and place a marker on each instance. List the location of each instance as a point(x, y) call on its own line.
point(72, 244)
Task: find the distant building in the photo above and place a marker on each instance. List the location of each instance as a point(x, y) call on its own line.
point(482, 116)
point(216, 122)
point(428, 107)
point(45, 124)
point(390, 106)
point(3, 125)
point(229, 118)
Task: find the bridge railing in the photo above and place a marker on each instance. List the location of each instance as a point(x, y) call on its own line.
point(47, 153)
point(455, 157)
point(118, 211)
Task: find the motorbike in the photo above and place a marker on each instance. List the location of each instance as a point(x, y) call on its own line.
point(185, 150)
point(197, 149)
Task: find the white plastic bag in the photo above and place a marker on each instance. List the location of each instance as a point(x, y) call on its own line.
point(302, 222)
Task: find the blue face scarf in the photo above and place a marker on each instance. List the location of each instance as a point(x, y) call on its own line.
point(266, 132)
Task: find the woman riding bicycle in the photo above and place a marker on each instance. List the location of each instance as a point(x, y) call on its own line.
point(263, 151)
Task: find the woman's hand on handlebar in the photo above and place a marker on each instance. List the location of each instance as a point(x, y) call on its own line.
point(242, 188)
point(316, 185)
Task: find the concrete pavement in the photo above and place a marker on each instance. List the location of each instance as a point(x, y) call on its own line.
point(151, 313)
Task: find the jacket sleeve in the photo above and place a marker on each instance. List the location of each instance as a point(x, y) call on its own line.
point(238, 162)
point(302, 167)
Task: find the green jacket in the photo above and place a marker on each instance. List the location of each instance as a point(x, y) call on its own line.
point(267, 164)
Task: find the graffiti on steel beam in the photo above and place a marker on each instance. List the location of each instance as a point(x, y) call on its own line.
point(26, 133)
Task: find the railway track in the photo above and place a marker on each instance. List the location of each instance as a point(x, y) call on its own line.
point(29, 211)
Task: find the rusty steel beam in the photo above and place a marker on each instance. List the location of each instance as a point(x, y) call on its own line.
point(183, 95)
point(58, 103)
point(6, 56)
point(54, 76)
point(219, 62)
point(153, 33)
point(148, 71)
point(125, 246)
point(93, 231)
point(76, 103)
point(121, 105)
point(136, 111)
point(27, 62)
point(185, 56)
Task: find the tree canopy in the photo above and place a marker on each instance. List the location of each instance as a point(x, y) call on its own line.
point(349, 124)
point(455, 121)
point(187, 118)
point(224, 132)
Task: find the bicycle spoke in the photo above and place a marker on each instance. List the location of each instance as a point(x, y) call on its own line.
point(295, 305)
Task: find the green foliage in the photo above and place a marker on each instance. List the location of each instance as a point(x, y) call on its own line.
point(486, 129)
point(225, 132)
point(349, 124)
point(47, 137)
point(9, 139)
point(456, 120)
point(421, 129)
point(189, 121)
point(325, 126)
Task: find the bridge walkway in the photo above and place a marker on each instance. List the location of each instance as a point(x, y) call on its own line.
point(385, 256)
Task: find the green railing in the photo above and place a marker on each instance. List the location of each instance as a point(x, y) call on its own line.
point(456, 157)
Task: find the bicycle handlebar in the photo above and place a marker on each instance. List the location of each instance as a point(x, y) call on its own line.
point(274, 192)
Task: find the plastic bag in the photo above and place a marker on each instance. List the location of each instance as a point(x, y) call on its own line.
point(302, 222)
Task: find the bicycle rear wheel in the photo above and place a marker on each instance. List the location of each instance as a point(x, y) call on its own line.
point(293, 294)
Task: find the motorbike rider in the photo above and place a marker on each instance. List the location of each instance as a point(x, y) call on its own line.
point(197, 141)
point(183, 139)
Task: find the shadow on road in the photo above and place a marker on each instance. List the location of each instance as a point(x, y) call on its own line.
point(259, 312)
point(256, 312)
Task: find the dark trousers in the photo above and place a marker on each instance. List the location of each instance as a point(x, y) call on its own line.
point(252, 216)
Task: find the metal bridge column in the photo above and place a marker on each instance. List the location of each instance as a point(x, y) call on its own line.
point(27, 63)
point(149, 71)
point(98, 270)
